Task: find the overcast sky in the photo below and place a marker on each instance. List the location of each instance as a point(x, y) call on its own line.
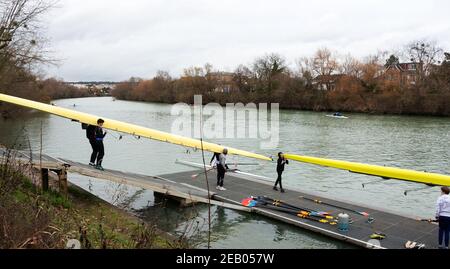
point(114, 40)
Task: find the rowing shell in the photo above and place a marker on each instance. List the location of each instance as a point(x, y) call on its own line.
point(128, 128)
point(337, 117)
point(431, 179)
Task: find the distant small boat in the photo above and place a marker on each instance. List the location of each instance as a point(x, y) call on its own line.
point(338, 116)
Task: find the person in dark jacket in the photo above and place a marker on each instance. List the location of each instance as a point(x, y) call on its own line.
point(96, 135)
point(280, 168)
point(90, 134)
point(222, 167)
point(214, 159)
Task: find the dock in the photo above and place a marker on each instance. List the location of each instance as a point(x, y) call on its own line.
point(181, 186)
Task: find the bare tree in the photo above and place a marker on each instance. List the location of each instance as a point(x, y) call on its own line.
point(162, 84)
point(425, 53)
point(351, 66)
point(447, 56)
point(208, 68)
point(324, 63)
point(372, 68)
point(21, 42)
point(320, 67)
point(267, 68)
point(194, 71)
point(243, 78)
point(303, 66)
point(163, 75)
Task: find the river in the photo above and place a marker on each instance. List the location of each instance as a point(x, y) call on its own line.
point(401, 141)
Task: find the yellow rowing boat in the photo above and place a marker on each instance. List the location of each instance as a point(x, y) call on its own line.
point(127, 127)
point(376, 170)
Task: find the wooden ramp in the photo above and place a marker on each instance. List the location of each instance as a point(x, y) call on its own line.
point(188, 193)
point(398, 229)
point(184, 192)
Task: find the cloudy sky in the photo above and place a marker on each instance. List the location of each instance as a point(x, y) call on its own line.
point(114, 40)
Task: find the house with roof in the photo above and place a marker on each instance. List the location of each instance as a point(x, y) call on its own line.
point(402, 73)
point(224, 81)
point(327, 82)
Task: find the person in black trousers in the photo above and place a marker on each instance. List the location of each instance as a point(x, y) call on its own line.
point(96, 135)
point(280, 168)
point(443, 217)
point(222, 167)
point(90, 134)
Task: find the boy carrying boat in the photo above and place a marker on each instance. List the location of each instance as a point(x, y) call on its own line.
point(280, 168)
point(96, 135)
point(221, 169)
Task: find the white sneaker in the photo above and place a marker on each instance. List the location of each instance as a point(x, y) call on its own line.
point(222, 189)
point(218, 188)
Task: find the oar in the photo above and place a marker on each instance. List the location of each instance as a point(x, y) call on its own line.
point(321, 220)
point(236, 164)
point(269, 203)
point(365, 214)
point(428, 220)
point(314, 216)
point(286, 205)
point(196, 175)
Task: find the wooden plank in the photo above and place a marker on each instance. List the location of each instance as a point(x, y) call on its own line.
point(156, 187)
point(36, 163)
point(44, 179)
point(62, 180)
point(24, 158)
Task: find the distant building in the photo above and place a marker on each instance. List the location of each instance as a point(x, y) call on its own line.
point(327, 82)
point(224, 81)
point(97, 88)
point(403, 73)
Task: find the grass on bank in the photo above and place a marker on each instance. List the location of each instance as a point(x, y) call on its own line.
point(31, 218)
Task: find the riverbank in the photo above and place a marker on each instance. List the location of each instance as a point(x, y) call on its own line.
point(41, 91)
point(408, 103)
point(33, 219)
point(371, 87)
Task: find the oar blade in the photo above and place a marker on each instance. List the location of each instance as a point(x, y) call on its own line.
point(365, 214)
point(246, 201)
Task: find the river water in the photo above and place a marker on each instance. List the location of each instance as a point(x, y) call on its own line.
point(401, 141)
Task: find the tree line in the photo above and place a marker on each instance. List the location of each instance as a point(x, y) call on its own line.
point(414, 80)
point(22, 53)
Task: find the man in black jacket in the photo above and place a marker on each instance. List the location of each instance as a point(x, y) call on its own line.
point(96, 135)
point(222, 167)
point(280, 168)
